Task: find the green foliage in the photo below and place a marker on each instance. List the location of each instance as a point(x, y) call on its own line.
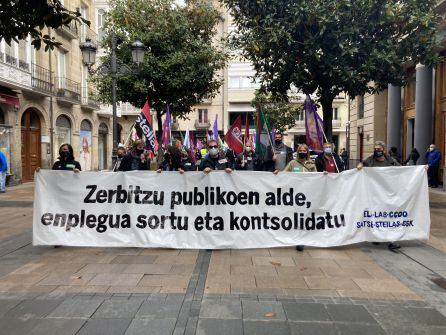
point(280, 113)
point(22, 17)
point(182, 65)
point(334, 46)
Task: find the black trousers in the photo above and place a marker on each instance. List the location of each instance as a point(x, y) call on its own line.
point(432, 174)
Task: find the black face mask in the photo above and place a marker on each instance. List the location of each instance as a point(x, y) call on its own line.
point(64, 154)
point(302, 155)
point(120, 155)
point(278, 142)
point(140, 152)
point(378, 153)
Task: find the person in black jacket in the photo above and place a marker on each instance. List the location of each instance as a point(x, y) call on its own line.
point(172, 160)
point(329, 161)
point(135, 159)
point(412, 158)
point(66, 159)
point(215, 160)
point(248, 159)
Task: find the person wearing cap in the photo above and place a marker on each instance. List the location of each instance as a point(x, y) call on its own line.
point(135, 159)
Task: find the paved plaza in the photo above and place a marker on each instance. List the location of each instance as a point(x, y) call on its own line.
point(360, 289)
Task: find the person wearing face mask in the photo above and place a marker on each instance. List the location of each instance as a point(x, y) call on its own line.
point(248, 159)
point(379, 157)
point(135, 159)
point(303, 161)
point(120, 152)
point(66, 160)
point(433, 158)
point(279, 155)
point(329, 161)
point(172, 160)
point(215, 160)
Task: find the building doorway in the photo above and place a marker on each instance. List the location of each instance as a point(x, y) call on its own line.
point(102, 146)
point(410, 137)
point(31, 144)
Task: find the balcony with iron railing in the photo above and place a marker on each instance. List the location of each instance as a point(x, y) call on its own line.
point(68, 91)
point(300, 123)
point(202, 124)
point(89, 100)
point(14, 71)
point(70, 30)
point(42, 79)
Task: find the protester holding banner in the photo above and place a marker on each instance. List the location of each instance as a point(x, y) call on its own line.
point(171, 160)
point(248, 159)
point(135, 159)
point(279, 155)
point(188, 160)
point(379, 157)
point(120, 153)
point(215, 160)
point(66, 159)
point(303, 161)
point(433, 158)
point(329, 161)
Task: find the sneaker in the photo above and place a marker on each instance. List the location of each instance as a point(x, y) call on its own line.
point(393, 246)
point(299, 247)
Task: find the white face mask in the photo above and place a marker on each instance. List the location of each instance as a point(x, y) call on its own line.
point(248, 149)
point(213, 151)
point(431, 149)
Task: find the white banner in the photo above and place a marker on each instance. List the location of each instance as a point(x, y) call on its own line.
point(237, 210)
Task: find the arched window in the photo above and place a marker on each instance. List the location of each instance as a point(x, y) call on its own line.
point(62, 132)
point(85, 145)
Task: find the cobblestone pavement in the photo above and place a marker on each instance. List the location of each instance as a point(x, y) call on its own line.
point(362, 289)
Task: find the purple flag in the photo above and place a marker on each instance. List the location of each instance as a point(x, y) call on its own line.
point(166, 137)
point(215, 129)
point(273, 133)
point(314, 126)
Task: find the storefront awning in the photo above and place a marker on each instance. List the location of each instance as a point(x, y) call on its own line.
point(9, 100)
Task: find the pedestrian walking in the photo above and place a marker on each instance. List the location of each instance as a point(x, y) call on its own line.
point(380, 159)
point(344, 157)
point(3, 170)
point(136, 159)
point(329, 161)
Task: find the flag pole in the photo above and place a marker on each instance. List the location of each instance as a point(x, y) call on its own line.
point(125, 143)
point(266, 124)
point(326, 141)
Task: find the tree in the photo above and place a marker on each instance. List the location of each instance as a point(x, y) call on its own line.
point(334, 46)
point(183, 64)
point(279, 112)
point(22, 17)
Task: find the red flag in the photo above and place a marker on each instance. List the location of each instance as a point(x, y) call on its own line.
point(146, 111)
point(233, 137)
point(246, 129)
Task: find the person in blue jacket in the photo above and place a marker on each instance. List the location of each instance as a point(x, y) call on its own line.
point(3, 169)
point(433, 158)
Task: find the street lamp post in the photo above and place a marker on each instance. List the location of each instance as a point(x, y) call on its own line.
point(115, 67)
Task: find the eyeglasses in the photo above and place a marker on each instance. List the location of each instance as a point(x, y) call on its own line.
point(212, 146)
